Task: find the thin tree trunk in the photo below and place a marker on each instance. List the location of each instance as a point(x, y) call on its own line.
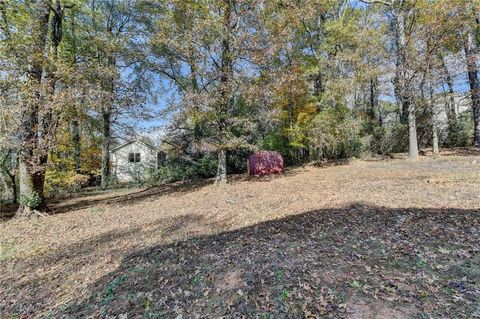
point(106, 124)
point(105, 174)
point(75, 126)
point(318, 87)
point(473, 80)
point(373, 98)
point(433, 113)
point(76, 143)
point(412, 133)
point(13, 183)
point(373, 105)
point(399, 80)
point(436, 150)
point(451, 109)
point(222, 167)
point(197, 129)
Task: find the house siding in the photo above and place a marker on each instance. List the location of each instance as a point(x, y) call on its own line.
point(124, 171)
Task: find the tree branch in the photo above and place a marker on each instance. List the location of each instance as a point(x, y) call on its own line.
point(385, 3)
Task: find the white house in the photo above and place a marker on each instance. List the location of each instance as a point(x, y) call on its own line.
point(132, 160)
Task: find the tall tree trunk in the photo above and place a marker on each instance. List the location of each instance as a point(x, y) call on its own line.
point(431, 91)
point(451, 109)
point(76, 143)
point(13, 183)
point(412, 133)
point(473, 80)
point(373, 98)
point(373, 105)
point(226, 99)
point(400, 71)
point(197, 129)
point(318, 88)
point(403, 90)
point(32, 157)
point(75, 125)
point(105, 174)
point(107, 122)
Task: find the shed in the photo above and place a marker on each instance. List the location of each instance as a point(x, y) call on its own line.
point(132, 160)
point(265, 163)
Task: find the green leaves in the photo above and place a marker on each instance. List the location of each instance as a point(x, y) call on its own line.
point(31, 200)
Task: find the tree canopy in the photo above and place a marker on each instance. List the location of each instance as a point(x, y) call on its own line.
point(311, 79)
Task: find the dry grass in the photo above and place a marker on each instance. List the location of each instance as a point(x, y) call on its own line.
point(363, 240)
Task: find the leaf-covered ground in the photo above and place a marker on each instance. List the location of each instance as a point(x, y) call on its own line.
point(380, 239)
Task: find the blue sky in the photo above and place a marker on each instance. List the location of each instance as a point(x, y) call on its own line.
point(161, 104)
point(158, 121)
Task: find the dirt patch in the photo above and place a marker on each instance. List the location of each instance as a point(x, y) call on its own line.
point(359, 308)
point(232, 280)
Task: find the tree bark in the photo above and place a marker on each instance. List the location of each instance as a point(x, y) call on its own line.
point(474, 83)
point(222, 167)
point(318, 86)
point(9, 166)
point(105, 173)
point(431, 91)
point(373, 97)
point(13, 183)
point(373, 105)
point(451, 109)
point(436, 150)
point(402, 88)
point(31, 182)
point(107, 122)
point(412, 134)
point(32, 157)
point(74, 125)
point(400, 72)
point(76, 143)
point(226, 99)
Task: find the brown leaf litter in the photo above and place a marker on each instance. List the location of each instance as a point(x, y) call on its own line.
point(362, 240)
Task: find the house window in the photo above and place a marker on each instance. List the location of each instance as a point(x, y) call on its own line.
point(134, 157)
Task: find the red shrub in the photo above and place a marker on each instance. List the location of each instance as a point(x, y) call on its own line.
point(265, 163)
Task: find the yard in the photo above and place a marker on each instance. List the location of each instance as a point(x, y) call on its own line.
point(365, 239)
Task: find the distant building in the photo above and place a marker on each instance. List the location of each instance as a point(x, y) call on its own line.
point(462, 103)
point(132, 160)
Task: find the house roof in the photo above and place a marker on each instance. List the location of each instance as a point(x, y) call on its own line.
point(130, 142)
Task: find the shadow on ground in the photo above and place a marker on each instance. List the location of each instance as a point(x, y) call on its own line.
point(460, 151)
point(355, 262)
point(81, 201)
point(129, 198)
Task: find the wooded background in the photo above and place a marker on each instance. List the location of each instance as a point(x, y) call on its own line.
point(311, 79)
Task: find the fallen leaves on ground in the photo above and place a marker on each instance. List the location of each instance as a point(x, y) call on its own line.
point(379, 239)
